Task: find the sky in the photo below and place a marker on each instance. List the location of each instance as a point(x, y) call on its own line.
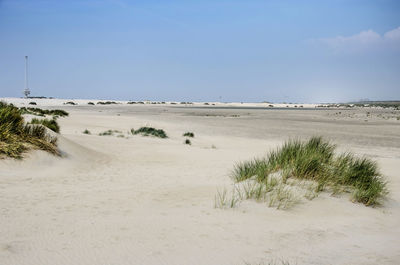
point(210, 50)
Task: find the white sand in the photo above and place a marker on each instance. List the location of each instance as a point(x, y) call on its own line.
point(141, 200)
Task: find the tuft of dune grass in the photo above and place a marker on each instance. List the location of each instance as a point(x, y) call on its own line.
point(109, 132)
point(43, 112)
point(17, 137)
point(188, 134)
point(315, 160)
point(51, 124)
point(150, 131)
point(86, 131)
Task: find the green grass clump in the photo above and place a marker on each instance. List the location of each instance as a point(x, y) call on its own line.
point(187, 141)
point(109, 132)
point(86, 131)
point(315, 160)
point(43, 112)
point(51, 124)
point(188, 134)
point(150, 131)
point(17, 137)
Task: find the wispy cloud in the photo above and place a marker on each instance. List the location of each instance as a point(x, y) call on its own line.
point(363, 41)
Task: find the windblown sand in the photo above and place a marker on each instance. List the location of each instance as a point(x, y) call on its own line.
point(143, 200)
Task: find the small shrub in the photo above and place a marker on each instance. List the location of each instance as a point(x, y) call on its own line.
point(51, 124)
point(32, 103)
point(188, 134)
point(86, 131)
point(90, 103)
point(150, 131)
point(187, 141)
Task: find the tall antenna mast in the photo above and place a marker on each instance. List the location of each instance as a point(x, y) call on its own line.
point(27, 92)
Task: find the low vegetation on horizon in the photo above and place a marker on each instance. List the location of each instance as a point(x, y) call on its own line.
point(86, 131)
point(188, 134)
point(16, 136)
point(70, 103)
point(106, 103)
point(107, 133)
point(305, 168)
point(150, 131)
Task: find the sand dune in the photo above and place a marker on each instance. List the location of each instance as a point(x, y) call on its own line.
point(142, 200)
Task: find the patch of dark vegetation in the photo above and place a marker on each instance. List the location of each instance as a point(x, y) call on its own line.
point(43, 112)
point(381, 104)
point(365, 104)
point(186, 103)
point(17, 137)
point(188, 134)
point(70, 103)
point(106, 103)
point(315, 160)
point(90, 103)
point(109, 132)
point(86, 131)
point(51, 124)
point(187, 141)
point(150, 131)
point(32, 103)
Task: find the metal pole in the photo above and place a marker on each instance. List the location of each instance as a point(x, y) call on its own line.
point(26, 90)
point(26, 72)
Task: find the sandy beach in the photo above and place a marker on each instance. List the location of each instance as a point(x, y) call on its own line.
point(128, 199)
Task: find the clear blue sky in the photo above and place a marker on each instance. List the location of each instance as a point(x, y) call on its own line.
point(248, 50)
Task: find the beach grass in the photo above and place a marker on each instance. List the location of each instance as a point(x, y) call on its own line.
point(188, 134)
point(150, 131)
point(109, 132)
point(224, 200)
point(16, 136)
point(70, 103)
point(315, 160)
point(188, 142)
point(86, 131)
point(43, 112)
point(51, 124)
